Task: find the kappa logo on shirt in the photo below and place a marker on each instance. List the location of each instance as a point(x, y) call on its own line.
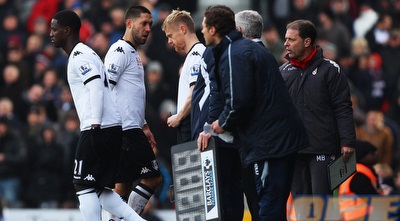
point(120, 49)
point(84, 69)
point(76, 53)
point(196, 53)
point(89, 177)
point(144, 170)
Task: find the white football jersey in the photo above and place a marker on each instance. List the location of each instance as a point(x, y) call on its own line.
point(189, 73)
point(87, 79)
point(126, 75)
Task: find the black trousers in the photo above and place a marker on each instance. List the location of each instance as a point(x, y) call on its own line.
point(273, 181)
point(184, 132)
point(311, 174)
point(230, 184)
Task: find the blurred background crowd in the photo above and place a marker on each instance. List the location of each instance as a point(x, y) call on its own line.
point(39, 127)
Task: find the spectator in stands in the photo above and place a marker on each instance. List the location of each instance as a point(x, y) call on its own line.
point(166, 136)
point(58, 60)
point(117, 15)
point(29, 98)
point(366, 19)
point(36, 120)
point(364, 181)
point(359, 52)
point(384, 7)
point(34, 46)
point(100, 43)
point(68, 137)
point(396, 13)
point(157, 90)
point(87, 29)
point(158, 49)
point(341, 12)
point(377, 133)
point(103, 8)
point(391, 67)
point(15, 55)
point(66, 105)
point(386, 178)
point(371, 82)
point(13, 86)
point(378, 35)
point(303, 9)
point(397, 181)
point(12, 35)
point(395, 107)
point(330, 50)
point(6, 6)
point(334, 31)
point(45, 177)
point(359, 113)
point(42, 9)
point(40, 29)
point(52, 93)
point(7, 111)
point(273, 42)
point(24, 8)
point(13, 154)
point(42, 63)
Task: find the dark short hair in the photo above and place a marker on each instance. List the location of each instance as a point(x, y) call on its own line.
point(135, 11)
point(221, 17)
point(68, 18)
point(306, 29)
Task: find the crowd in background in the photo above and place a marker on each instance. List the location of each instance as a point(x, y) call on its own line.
point(39, 127)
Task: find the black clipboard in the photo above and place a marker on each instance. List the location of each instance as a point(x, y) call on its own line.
point(339, 171)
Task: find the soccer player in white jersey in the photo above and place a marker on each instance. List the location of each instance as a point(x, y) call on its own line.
point(126, 78)
point(179, 29)
point(100, 137)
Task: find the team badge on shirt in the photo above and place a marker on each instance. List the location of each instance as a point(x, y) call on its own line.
point(195, 70)
point(84, 69)
point(113, 68)
point(314, 71)
point(139, 62)
point(154, 163)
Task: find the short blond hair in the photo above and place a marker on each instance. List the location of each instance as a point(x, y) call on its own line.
point(179, 16)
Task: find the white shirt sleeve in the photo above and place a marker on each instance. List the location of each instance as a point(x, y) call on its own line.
point(115, 61)
point(91, 78)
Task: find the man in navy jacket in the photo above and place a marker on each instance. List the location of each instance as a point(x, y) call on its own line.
point(255, 107)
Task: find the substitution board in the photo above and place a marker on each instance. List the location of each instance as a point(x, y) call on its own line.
point(195, 182)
